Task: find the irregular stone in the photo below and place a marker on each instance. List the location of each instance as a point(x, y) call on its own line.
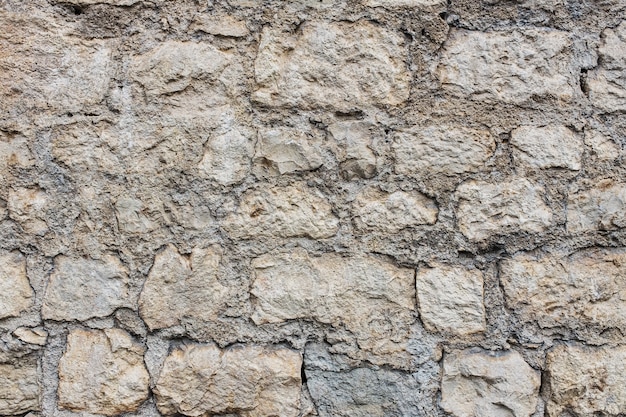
point(603, 147)
point(292, 211)
point(584, 290)
point(607, 83)
point(14, 152)
point(102, 372)
point(587, 381)
point(599, 208)
point(36, 336)
point(547, 147)
point(16, 294)
point(182, 287)
point(130, 216)
point(249, 381)
point(221, 26)
point(404, 3)
point(27, 206)
point(20, 389)
point(82, 288)
point(450, 299)
point(347, 65)
point(479, 383)
point(227, 157)
point(391, 212)
point(442, 150)
point(509, 66)
point(354, 148)
point(111, 2)
point(372, 299)
point(284, 150)
point(487, 209)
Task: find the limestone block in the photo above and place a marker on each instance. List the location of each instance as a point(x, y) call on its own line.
point(82, 288)
point(489, 209)
point(249, 381)
point(16, 294)
point(227, 157)
point(27, 206)
point(34, 336)
point(221, 26)
point(450, 299)
point(338, 65)
point(131, 217)
point(488, 384)
point(285, 150)
point(102, 372)
point(111, 2)
point(607, 83)
point(181, 287)
point(601, 207)
point(391, 212)
point(20, 389)
point(602, 146)
point(587, 381)
point(509, 66)
point(404, 3)
point(441, 149)
point(291, 211)
point(579, 291)
point(354, 148)
point(374, 300)
point(14, 152)
point(547, 147)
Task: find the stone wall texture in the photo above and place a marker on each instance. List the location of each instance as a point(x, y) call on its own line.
point(292, 208)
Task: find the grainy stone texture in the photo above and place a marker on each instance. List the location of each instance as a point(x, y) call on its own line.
point(607, 83)
point(16, 294)
point(20, 386)
point(599, 207)
point(547, 147)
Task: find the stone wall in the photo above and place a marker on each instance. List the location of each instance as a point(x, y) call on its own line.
point(351, 208)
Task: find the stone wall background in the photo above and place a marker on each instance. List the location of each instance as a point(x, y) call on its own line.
point(312, 207)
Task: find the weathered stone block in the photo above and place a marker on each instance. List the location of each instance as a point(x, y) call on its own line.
point(353, 150)
point(602, 146)
point(20, 389)
point(130, 216)
point(547, 147)
point(607, 83)
point(227, 157)
point(27, 206)
point(404, 3)
point(285, 150)
point(16, 294)
point(599, 208)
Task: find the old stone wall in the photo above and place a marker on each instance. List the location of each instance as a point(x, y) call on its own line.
point(350, 208)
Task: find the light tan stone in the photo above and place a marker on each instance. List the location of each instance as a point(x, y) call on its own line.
point(82, 288)
point(27, 206)
point(490, 209)
point(131, 217)
point(221, 26)
point(182, 287)
point(372, 299)
point(20, 389)
point(285, 150)
point(602, 207)
point(450, 299)
point(478, 383)
point(391, 212)
point(337, 65)
point(547, 147)
point(227, 157)
point(441, 149)
point(587, 381)
point(583, 290)
point(353, 140)
point(14, 152)
point(16, 295)
point(35, 336)
point(607, 83)
point(509, 66)
point(292, 211)
point(249, 381)
point(102, 372)
point(602, 146)
point(404, 3)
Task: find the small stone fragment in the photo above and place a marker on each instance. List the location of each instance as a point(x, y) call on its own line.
point(353, 150)
point(130, 216)
point(282, 151)
point(227, 157)
point(27, 206)
point(20, 391)
point(487, 209)
point(82, 288)
point(547, 147)
point(292, 211)
point(249, 381)
point(102, 372)
point(391, 212)
point(450, 299)
point(479, 383)
point(16, 294)
point(607, 83)
point(587, 381)
point(602, 207)
point(36, 336)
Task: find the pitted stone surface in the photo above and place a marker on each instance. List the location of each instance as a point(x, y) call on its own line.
point(600, 207)
point(607, 83)
point(16, 294)
point(547, 147)
point(20, 386)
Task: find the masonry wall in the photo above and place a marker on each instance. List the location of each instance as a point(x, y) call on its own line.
point(312, 208)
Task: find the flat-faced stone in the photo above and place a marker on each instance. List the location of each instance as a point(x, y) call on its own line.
point(547, 147)
point(601, 207)
point(607, 83)
point(16, 294)
point(285, 150)
point(353, 150)
point(20, 389)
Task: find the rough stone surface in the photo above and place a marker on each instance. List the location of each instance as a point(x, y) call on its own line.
point(102, 372)
point(450, 299)
point(488, 384)
point(20, 386)
point(27, 206)
point(547, 147)
point(250, 381)
point(355, 148)
point(587, 381)
point(607, 83)
point(602, 146)
point(281, 151)
point(16, 294)
point(600, 207)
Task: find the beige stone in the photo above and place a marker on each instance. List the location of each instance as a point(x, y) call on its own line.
point(292, 211)
point(478, 383)
point(607, 83)
point(27, 206)
point(102, 372)
point(583, 290)
point(404, 3)
point(547, 147)
point(182, 287)
point(601, 207)
point(20, 389)
point(587, 381)
point(338, 65)
point(374, 300)
point(111, 2)
point(391, 212)
point(227, 157)
point(221, 26)
point(490, 209)
point(285, 150)
point(602, 146)
point(14, 152)
point(131, 217)
point(353, 148)
point(16, 295)
point(82, 288)
point(35, 336)
point(450, 299)
point(249, 381)
point(509, 66)
point(441, 149)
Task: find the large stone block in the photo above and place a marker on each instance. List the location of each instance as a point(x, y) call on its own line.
point(602, 207)
point(354, 148)
point(285, 150)
point(607, 83)
point(547, 147)
point(20, 388)
point(16, 294)
point(249, 381)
